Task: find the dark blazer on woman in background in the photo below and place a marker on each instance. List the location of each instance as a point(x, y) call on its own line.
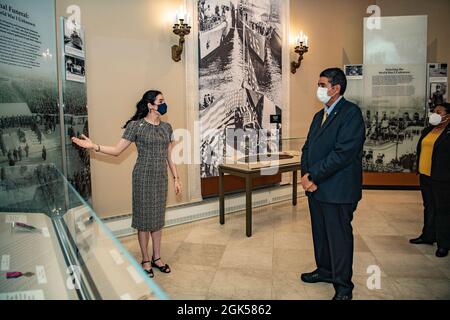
point(440, 165)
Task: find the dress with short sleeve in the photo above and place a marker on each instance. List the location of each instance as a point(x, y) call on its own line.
point(149, 173)
point(130, 131)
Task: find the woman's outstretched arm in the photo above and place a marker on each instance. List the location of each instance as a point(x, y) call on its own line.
point(86, 143)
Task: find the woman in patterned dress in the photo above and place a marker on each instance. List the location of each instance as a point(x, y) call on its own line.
point(153, 139)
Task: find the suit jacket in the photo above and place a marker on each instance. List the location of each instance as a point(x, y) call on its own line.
point(440, 163)
point(332, 154)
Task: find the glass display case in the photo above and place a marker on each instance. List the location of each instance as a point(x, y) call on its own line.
point(54, 246)
point(270, 158)
point(270, 154)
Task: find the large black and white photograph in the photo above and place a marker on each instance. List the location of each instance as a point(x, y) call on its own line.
point(391, 139)
point(73, 39)
point(395, 113)
point(240, 71)
point(30, 138)
point(75, 69)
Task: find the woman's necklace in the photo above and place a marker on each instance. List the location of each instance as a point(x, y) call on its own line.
point(152, 121)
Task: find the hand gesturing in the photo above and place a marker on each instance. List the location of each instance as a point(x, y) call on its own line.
point(85, 142)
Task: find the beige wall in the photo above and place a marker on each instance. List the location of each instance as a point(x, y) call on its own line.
point(335, 29)
point(128, 52)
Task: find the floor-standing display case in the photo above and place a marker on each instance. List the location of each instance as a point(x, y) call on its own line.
point(54, 248)
point(278, 153)
point(282, 156)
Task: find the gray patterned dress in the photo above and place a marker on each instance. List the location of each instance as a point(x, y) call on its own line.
point(149, 173)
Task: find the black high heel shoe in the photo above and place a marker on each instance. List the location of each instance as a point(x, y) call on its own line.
point(148, 272)
point(165, 268)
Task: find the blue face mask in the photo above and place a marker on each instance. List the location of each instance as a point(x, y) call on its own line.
point(162, 108)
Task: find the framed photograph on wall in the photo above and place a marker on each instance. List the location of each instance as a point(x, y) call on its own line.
point(75, 69)
point(73, 39)
point(354, 71)
point(437, 89)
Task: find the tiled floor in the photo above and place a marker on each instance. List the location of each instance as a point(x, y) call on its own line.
point(211, 261)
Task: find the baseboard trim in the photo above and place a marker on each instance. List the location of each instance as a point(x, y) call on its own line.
point(120, 225)
point(406, 188)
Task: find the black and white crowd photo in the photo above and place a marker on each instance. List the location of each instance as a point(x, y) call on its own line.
point(29, 134)
point(391, 139)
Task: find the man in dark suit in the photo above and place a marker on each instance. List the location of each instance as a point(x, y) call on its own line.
point(331, 169)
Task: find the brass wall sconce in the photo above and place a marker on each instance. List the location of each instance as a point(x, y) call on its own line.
point(181, 29)
point(301, 48)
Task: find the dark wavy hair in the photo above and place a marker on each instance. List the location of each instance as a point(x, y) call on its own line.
point(336, 76)
point(446, 105)
point(141, 106)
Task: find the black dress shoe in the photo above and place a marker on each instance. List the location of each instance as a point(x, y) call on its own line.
point(313, 277)
point(420, 240)
point(339, 296)
point(441, 252)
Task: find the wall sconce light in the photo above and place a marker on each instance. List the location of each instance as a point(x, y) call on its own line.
point(181, 28)
point(301, 48)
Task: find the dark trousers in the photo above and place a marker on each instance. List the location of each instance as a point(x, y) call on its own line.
point(436, 213)
point(333, 242)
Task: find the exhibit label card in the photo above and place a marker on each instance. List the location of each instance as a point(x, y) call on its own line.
point(5, 262)
point(10, 218)
point(41, 276)
point(23, 295)
point(134, 274)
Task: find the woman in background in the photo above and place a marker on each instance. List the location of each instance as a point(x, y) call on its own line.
point(433, 152)
point(153, 139)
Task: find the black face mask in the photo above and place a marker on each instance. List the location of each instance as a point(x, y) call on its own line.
point(162, 108)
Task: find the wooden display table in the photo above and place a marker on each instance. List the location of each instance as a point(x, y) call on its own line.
point(248, 174)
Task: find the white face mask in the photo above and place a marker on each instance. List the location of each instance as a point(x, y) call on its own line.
point(435, 119)
point(322, 95)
